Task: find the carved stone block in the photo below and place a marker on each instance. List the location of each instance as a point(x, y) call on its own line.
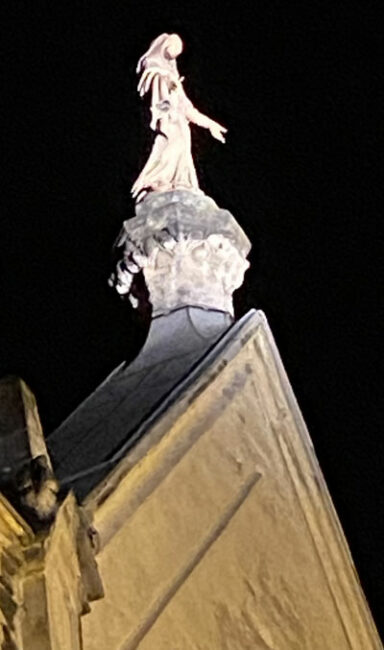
point(191, 252)
point(21, 436)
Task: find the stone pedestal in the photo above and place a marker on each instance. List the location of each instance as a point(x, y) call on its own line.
point(191, 253)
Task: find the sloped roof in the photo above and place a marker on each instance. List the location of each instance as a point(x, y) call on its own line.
point(97, 435)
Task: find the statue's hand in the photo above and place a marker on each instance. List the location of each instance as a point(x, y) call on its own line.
point(217, 131)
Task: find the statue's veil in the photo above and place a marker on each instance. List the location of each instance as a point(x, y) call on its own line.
point(155, 55)
point(152, 64)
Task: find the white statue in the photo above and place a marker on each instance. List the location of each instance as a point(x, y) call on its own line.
point(170, 164)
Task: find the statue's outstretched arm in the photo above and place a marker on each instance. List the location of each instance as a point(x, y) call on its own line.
point(194, 116)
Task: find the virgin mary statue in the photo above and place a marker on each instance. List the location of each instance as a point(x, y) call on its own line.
point(170, 164)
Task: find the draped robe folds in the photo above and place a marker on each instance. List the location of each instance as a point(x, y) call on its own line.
point(170, 164)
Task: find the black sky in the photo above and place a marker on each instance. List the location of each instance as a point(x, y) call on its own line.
point(297, 86)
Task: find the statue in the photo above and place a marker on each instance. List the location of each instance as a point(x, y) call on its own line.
point(170, 164)
point(179, 245)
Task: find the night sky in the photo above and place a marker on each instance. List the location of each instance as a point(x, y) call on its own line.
point(297, 86)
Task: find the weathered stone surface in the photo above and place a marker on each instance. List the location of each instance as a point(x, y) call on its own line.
point(71, 577)
point(97, 434)
point(46, 580)
point(217, 531)
point(15, 534)
point(21, 436)
point(26, 476)
point(191, 252)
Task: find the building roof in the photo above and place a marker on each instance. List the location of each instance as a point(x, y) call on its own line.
point(97, 435)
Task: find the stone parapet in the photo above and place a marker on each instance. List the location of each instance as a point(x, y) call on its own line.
point(191, 252)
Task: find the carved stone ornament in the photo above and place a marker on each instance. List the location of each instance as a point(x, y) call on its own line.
point(191, 252)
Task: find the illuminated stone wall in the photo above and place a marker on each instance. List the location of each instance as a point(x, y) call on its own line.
point(217, 531)
point(46, 580)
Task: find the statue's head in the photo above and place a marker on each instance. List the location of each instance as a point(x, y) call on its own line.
point(164, 50)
